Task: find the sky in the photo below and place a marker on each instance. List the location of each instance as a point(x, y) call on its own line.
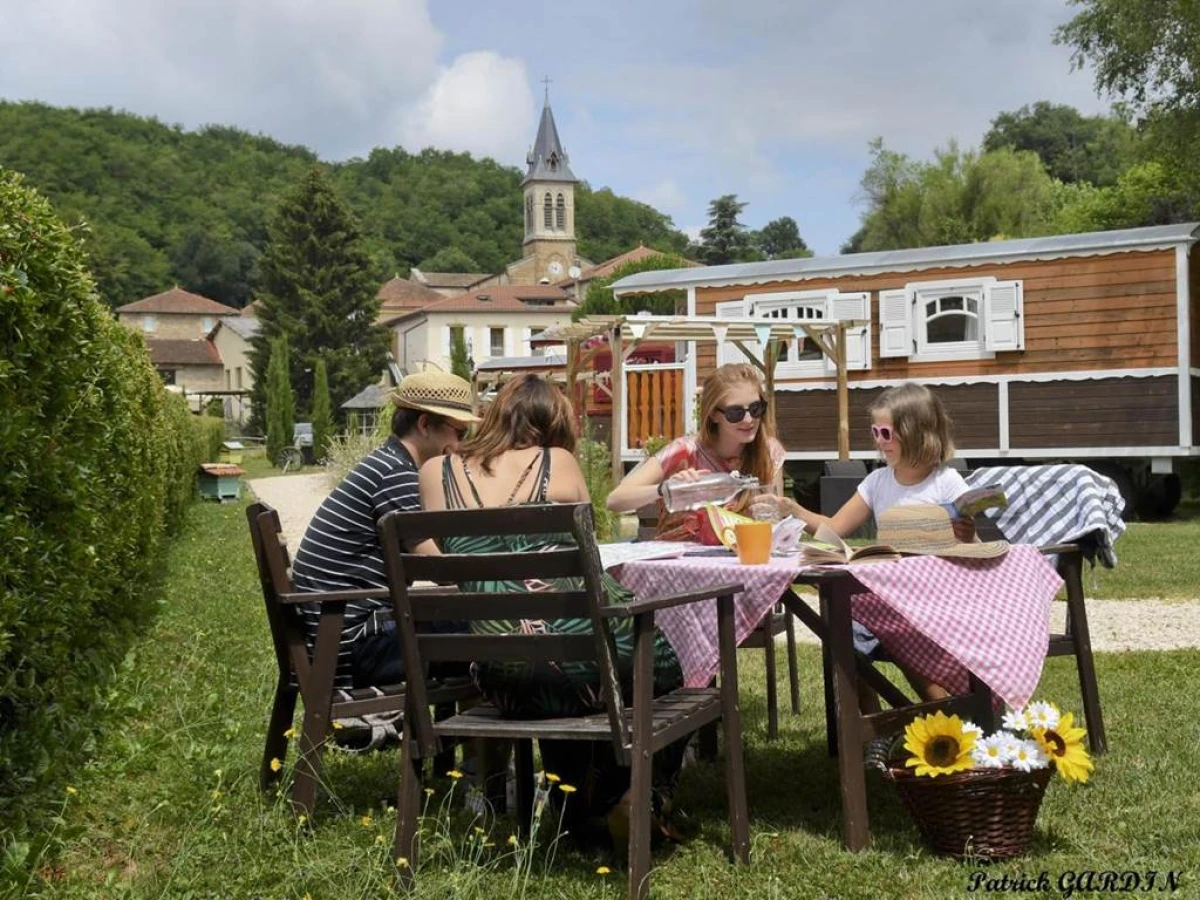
point(667, 101)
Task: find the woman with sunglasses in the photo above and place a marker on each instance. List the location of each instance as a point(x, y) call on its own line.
point(734, 436)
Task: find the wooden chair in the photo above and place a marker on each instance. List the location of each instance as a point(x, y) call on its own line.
point(637, 731)
point(779, 621)
point(1076, 638)
point(311, 677)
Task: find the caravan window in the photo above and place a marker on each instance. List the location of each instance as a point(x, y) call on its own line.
point(800, 355)
point(933, 321)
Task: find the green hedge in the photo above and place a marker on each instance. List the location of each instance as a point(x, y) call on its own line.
point(97, 462)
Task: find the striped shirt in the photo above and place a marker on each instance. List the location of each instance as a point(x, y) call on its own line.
point(340, 550)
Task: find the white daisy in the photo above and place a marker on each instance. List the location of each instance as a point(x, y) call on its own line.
point(1029, 756)
point(992, 752)
point(972, 728)
point(1042, 715)
point(1015, 720)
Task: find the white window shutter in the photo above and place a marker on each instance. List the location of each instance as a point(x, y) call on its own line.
point(858, 340)
point(1004, 316)
point(895, 323)
point(726, 351)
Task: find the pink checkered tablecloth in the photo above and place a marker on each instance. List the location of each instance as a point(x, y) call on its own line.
point(939, 617)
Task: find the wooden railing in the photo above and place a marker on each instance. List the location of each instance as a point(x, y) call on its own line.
point(654, 400)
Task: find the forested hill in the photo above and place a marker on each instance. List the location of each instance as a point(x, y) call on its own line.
point(166, 205)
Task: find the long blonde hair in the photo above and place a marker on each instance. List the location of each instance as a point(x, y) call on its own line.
point(756, 455)
point(921, 423)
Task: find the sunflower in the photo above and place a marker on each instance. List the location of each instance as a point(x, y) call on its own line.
point(1064, 745)
point(939, 745)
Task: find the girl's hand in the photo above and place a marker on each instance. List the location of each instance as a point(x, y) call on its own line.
point(964, 530)
point(770, 507)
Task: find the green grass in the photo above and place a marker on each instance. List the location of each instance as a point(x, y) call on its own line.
point(1155, 559)
point(168, 805)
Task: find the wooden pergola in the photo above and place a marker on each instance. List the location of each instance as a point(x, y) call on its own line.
point(626, 333)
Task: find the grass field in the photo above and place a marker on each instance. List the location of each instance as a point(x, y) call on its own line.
point(168, 804)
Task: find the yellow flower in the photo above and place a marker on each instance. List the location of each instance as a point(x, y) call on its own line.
point(401, 862)
point(603, 870)
point(512, 840)
point(938, 745)
point(71, 790)
point(552, 778)
point(307, 896)
point(290, 733)
point(338, 726)
point(379, 839)
point(366, 821)
point(455, 774)
point(566, 788)
point(1064, 745)
point(428, 792)
point(276, 764)
point(301, 819)
point(478, 830)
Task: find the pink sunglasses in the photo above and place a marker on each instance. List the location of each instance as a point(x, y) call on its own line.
point(885, 434)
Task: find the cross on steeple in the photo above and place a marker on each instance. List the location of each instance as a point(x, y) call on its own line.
point(546, 83)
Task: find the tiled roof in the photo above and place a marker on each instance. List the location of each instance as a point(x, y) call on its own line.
point(401, 294)
point(177, 300)
point(448, 279)
point(373, 396)
point(606, 268)
point(244, 326)
point(507, 298)
point(168, 352)
point(252, 309)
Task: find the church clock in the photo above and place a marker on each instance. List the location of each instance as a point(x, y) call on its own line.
point(555, 267)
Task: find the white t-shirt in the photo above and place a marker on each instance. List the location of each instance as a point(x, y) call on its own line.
point(881, 490)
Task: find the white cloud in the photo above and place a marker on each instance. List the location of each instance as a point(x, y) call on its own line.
point(481, 103)
point(665, 196)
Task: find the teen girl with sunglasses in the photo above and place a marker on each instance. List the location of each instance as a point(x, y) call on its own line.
point(734, 436)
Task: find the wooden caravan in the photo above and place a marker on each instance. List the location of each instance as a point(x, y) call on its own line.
point(1067, 347)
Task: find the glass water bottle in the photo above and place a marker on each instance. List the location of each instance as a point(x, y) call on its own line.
point(715, 487)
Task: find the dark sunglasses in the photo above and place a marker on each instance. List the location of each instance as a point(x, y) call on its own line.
point(735, 414)
point(883, 433)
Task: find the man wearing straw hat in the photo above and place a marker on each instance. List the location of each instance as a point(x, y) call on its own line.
point(340, 550)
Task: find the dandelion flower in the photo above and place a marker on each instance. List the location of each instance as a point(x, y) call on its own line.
point(401, 862)
point(1063, 744)
point(307, 896)
point(478, 830)
point(512, 840)
point(566, 788)
point(1042, 715)
point(366, 821)
point(338, 725)
point(1015, 720)
point(276, 764)
point(938, 745)
point(379, 839)
point(993, 752)
point(301, 819)
point(552, 778)
point(71, 790)
point(455, 774)
point(603, 870)
point(428, 792)
point(1028, 756)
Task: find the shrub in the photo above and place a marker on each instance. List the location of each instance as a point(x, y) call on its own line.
point(595, 459)
point(97, 460)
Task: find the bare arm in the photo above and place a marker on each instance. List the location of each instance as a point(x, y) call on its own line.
point(853, 514)
point(433, 497)
point(637, 488)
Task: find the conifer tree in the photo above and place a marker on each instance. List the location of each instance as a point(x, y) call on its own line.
point(460, 357)
point(318, 290)
point(281, 402)
point(322, 415)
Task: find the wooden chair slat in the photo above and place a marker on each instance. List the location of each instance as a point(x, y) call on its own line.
point(522, 605)
point(463, 567)
point(506, 647)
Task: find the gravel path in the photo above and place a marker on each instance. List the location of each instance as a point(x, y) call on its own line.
point(1117, 625)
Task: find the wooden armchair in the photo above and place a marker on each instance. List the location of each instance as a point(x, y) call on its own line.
point(637, 731)
point(312, 676)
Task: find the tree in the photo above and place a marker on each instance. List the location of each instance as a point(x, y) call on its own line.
point(1071, 146)
point(449, 259)
point(317, 290)
point(322, 413)
point(959, 197)
point(600, 301)
point(1145, 194)
point(281, 402)
point(780, 239)
point(460, 355)
point(725, 239)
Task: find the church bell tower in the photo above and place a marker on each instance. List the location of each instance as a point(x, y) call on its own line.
point(549, 188)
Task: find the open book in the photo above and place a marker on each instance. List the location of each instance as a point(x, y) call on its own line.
point(970, 503)
point(828, 548)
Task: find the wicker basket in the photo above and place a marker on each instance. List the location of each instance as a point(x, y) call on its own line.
point(984, 813)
